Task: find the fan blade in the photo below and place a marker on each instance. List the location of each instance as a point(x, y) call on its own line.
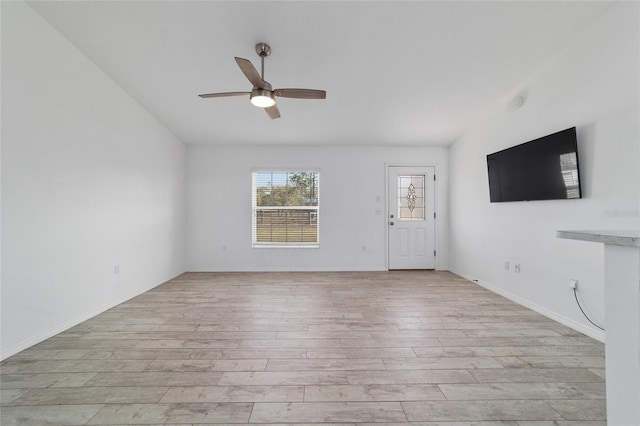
point(273, 112)
point(301, 93)
point(222, 95)
point(250, 72)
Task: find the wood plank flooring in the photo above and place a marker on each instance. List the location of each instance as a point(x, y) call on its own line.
point(423, 348)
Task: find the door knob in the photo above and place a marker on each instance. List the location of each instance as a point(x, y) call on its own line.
point(391, 223)
point(391, 216)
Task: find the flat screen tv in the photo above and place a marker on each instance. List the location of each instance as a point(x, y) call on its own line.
point(542, 169)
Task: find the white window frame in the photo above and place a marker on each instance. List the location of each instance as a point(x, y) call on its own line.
point(255, 209)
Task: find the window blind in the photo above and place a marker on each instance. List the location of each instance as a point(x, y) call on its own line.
point(285, 208)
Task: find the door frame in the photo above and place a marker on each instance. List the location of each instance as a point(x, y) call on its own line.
point(387, 166)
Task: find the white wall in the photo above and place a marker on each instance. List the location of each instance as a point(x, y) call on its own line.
point(90, 180)
point(593, 85)
point(219, 206)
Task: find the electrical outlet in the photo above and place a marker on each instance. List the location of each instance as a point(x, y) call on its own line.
point(573, 284)
point(116, 269)
point(506, 265)
point(516, 268)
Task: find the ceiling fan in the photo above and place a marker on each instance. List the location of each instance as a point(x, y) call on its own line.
point(262, 95)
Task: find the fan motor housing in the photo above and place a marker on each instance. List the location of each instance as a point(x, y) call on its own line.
point(262, 98)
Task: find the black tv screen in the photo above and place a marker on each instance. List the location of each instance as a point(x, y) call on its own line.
point(541, 169)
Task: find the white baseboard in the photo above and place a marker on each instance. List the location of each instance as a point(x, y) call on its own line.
point(45, 334)
point(65, 325)
point(599, 335)
point(295, 269)
point(283, 269)
point(59, 328)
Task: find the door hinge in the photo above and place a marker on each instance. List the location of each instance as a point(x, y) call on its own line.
point(434, 253)
point(434, 177)
point(434, 215)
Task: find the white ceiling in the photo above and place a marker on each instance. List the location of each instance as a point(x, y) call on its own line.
point(395, 72)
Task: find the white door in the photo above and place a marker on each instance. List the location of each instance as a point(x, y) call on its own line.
point(411, 218)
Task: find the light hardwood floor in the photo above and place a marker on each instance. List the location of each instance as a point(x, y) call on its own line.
point(422, 347)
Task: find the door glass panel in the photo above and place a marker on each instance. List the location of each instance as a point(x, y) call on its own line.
point(411, 202)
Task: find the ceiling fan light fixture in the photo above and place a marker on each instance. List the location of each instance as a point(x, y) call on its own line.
point(262, 94)
point(262, 98)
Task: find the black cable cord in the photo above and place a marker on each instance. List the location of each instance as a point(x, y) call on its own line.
point(575, 293)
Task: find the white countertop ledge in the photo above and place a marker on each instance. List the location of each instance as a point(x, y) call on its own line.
point(629, 238)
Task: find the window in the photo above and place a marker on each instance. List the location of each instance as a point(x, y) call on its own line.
point(411, 197)
point(569, 170)
point(285, 209)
